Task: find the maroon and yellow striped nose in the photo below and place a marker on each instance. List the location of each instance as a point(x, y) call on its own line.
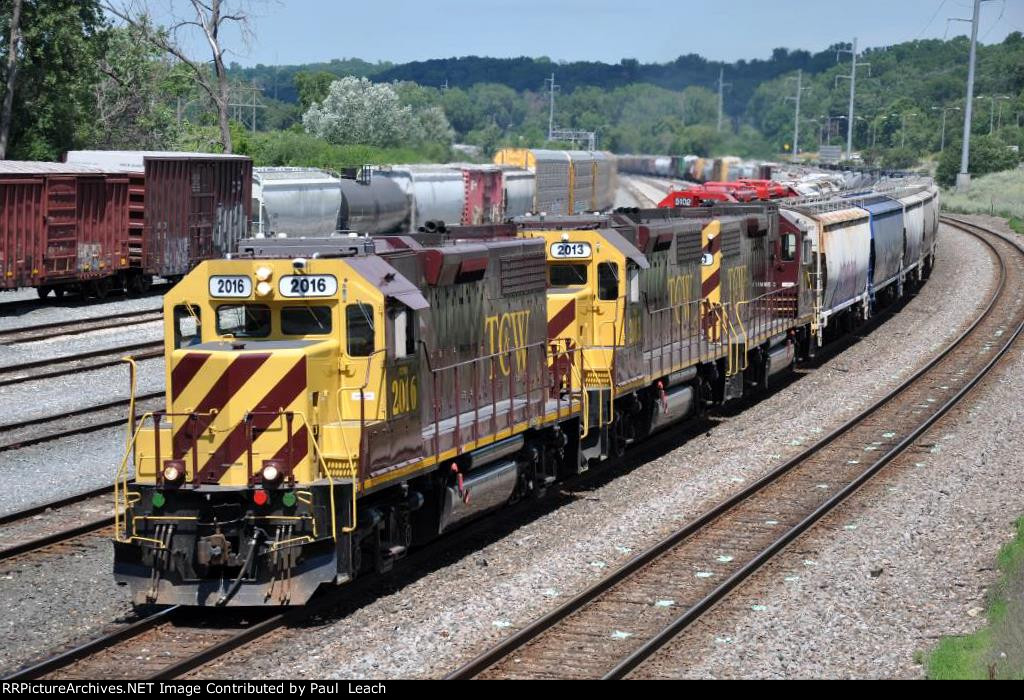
point(212, 395)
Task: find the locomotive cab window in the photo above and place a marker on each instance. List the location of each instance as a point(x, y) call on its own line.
point(306, 320)
point(243, 320)
point(403, 331)
point(359, 330)
point(188, 326)
point(788, 242)
point(607, 281)
point(567, 275)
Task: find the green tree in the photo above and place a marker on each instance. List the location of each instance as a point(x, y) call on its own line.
point(989, 154)
point(52, 101)
point(312, 87)
point(132, 96)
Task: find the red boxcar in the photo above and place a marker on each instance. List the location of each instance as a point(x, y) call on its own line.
point(485, 195)
point(67, 225)
point(198, 206)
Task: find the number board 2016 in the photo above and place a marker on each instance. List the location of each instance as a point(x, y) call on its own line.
point(299, 286)
point(230, 286)
point(566, 249)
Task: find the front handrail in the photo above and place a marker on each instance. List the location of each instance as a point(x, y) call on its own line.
point(121, 484)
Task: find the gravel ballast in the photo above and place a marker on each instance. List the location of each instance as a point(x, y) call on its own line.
point(429, 627)
point(52, 601)
point(906, 560)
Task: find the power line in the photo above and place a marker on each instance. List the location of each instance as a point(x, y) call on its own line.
point(937, 11)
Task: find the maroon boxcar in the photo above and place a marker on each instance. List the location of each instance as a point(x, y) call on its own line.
point(197, 205)
point(67, 225)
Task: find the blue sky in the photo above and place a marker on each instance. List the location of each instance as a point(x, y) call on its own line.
point(302, 31)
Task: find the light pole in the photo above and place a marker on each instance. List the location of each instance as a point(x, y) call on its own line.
point(818, 123)
point(992, 110)
point(945, 110)
point(868, 122)
point(853, 89)
point(999, 119)
point(903, 128)
point(796, 121)
point(829, 127)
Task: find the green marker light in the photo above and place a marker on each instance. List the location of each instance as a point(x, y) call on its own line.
point(288, 499)
point(158, 500)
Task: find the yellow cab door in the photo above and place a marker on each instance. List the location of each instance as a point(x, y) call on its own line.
point(609, 277)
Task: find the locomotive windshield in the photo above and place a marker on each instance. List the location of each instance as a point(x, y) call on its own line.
point(306, 320)
point(243, 320)
point(567, 275)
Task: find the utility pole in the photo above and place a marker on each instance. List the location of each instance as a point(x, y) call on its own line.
point(945, 111)
point(721, 95)
point(551, 108)
point(853, 90)
point(796, 122)
point(963, 178)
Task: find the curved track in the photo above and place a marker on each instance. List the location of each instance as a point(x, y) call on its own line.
point(614, 626)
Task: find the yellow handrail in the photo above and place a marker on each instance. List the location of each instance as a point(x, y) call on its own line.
point(121, 478)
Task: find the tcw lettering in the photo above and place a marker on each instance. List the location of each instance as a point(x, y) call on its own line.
point(506, 334)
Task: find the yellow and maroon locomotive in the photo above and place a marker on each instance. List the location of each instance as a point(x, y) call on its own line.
point(330, 401)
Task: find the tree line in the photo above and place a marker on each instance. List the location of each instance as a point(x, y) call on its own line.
point(106, 74)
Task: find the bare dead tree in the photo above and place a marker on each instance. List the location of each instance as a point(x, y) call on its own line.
point(12, 75)
point(209, 18)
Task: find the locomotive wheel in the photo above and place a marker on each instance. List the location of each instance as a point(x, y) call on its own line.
point(59, 292)
point(43, 292)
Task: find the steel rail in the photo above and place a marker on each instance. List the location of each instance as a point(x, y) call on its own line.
point(49, 436)
point(56, 329)
point(507, 647)
point(148, 350)
point(71, 533)
point(93, 646)
point(53, 505)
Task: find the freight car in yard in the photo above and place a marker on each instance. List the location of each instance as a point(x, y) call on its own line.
point(109, 220)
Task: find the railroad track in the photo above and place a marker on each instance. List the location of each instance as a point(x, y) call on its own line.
point(46, 331)
point(111, 414)
point(63, 540)
point(612, 628)
point(159, 646)
point(79, 362)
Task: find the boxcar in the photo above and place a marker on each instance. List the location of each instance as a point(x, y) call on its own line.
point(65, 226)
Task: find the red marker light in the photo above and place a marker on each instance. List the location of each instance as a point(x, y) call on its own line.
point(260, 497)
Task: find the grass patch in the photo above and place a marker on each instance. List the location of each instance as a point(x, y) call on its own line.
point(996, 650)
point(999, 194)
point(1016, 224)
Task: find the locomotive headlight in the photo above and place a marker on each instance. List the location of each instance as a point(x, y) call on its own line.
point(264, 273)
point(271, 474)
point(264, 288)
point(172, 474)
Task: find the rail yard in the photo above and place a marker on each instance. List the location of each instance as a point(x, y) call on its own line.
point(646, 584)
point(506, 368)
